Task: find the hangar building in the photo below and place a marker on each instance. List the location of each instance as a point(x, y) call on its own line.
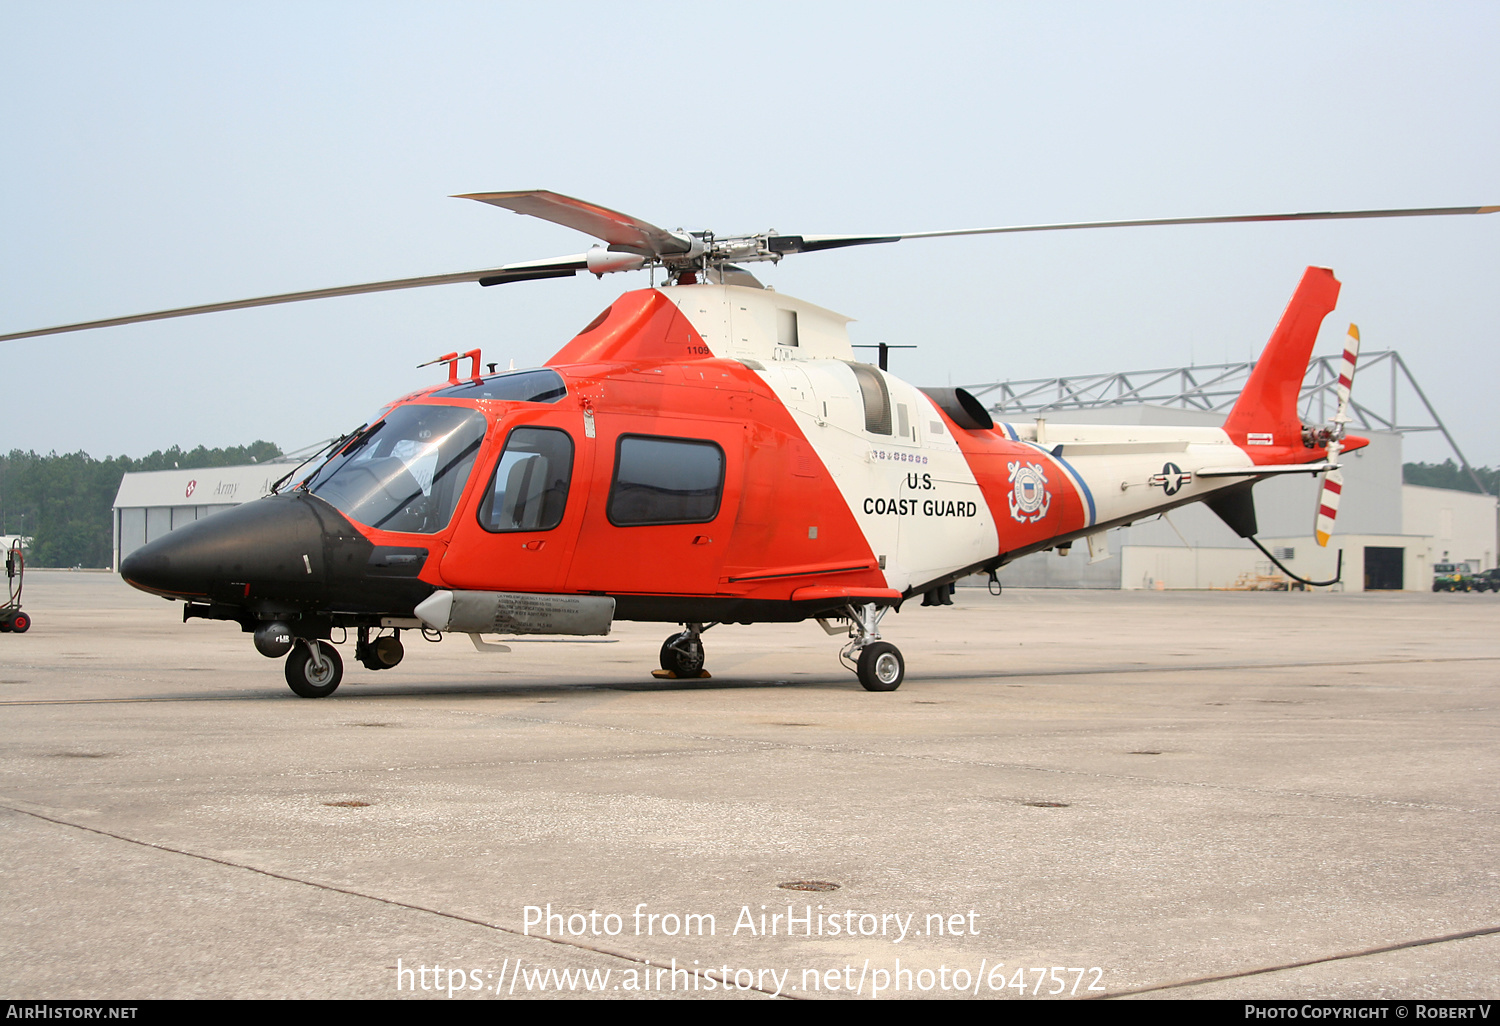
point(151, 503)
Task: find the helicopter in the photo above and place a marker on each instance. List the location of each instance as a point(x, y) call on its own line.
point(704, 452)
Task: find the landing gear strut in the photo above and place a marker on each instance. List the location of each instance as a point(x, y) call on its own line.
point(314, 668)
point(878, 664)
point(682, 654)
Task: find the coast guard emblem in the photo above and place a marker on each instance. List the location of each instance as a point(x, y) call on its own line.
point(1029, 500)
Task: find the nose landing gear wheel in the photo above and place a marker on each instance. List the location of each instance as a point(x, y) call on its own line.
point(682, 654)
point(309, 679)
point(881, 667)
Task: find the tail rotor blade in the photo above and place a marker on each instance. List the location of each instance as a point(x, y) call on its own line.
point(1333, 481)
point(1328, 506)
point(1346, 378)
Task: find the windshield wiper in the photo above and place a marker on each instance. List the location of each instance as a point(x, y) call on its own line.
point(343, 445)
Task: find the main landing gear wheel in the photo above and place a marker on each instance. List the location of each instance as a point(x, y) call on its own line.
point(877, 664)
point(314, 679)
point(682, 654)
point(881, 667)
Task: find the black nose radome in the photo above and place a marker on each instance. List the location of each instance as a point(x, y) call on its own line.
point(283, 552)
point(279, 540)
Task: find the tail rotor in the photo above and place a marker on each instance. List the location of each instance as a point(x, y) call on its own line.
point(1333, 481)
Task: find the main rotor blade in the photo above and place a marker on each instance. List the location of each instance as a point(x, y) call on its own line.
point(508, 272)
point(621, 231)
point(632, 235)
point(830, 241)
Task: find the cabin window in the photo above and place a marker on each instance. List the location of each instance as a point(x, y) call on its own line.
point(529, 489)
point(405, 473)
point(665, 481)
point(877, 398)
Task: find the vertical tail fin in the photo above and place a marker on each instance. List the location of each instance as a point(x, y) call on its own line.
point(1266, 412)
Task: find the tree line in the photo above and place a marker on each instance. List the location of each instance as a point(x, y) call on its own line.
point(1448, 474)
point(62, 503)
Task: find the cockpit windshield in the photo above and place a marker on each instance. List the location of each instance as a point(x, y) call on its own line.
point(405, 473)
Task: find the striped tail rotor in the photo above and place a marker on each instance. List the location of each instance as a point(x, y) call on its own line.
point(1328, 505)
point(1333, 481)
point(1346, 379)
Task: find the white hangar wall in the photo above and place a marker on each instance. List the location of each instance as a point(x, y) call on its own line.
point(1460, 526)
point(150, 504)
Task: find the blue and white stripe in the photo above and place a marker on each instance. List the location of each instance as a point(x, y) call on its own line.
point(1077, 479)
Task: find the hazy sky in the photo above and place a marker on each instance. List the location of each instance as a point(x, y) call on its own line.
point(166, 154)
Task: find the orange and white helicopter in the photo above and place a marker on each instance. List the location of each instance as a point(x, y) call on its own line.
point(704, 452)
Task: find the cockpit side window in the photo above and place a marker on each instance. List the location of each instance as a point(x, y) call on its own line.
point(529, 489)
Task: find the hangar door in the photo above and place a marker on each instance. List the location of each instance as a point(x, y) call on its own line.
point(1383, 568)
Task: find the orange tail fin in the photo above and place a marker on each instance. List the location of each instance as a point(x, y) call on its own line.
point(1266, 412)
